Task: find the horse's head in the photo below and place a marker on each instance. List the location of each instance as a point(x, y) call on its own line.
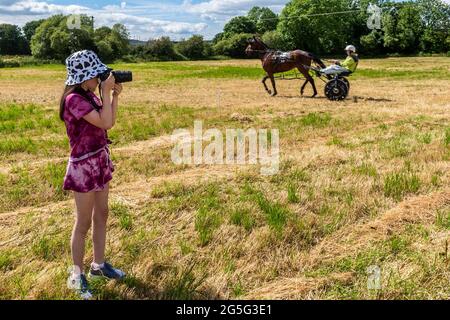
point(255, 45)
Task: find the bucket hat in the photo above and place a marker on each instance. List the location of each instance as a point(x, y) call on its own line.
point(83, 65)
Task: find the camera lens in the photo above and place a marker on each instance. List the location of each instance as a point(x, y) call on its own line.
point(123, 76)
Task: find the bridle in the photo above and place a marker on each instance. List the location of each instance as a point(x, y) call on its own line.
point(260, 51)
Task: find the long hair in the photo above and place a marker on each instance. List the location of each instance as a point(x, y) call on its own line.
point(76, 88)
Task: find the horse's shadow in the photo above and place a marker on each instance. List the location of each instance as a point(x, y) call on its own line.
point(352, 98)
point(299, 96)
point(372, 99)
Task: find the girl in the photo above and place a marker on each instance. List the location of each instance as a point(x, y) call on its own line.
point(90, 168)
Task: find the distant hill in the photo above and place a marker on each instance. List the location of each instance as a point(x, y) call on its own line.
point(134, 42)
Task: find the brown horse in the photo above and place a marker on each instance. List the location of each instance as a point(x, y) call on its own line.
point(272, 64)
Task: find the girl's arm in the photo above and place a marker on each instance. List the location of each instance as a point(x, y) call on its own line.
point(115, 100)
point(103, 118)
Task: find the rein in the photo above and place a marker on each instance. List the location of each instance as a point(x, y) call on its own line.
point(261, 51)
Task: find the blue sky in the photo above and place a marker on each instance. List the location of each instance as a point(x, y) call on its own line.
point(144, 18)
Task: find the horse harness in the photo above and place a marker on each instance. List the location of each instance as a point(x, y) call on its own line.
point(281, 57)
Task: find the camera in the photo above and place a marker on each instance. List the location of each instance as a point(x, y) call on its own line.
point(119, 76)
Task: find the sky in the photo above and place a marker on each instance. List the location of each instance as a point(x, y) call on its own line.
point(144, 18)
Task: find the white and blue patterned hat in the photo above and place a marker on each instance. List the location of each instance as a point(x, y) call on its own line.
point(83, 65)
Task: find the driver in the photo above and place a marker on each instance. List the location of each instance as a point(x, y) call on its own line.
point(348, 65)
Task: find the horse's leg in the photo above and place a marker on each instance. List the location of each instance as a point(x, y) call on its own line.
point(308, 79)
point(272, 79)
point(313, 84)
point(265, 85)
point(302, 90)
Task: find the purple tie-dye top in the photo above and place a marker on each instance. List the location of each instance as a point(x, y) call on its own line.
point(83, 136)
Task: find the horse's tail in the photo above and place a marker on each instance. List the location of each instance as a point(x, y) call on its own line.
point(320, 63)
point(317, 60)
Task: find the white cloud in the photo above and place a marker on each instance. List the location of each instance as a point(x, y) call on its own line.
point(7, 2)
point(22, 11)
point(144, 24)
point(33, 7)
point(228, 7)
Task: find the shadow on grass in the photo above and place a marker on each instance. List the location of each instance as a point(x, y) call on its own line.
point(372, 99)
point(163, 282)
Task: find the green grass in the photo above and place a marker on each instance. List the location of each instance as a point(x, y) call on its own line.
point(208, 217)
point(362, 73)
point(443, 219)
point(6, 260)
point(224, 72)
point(173, 71)
point(126, 222)
point(317, 120)
point(366, 169)
point(184, 284)
point(399, 184)
point(397, 244)
point(276, 214)
point(243, 218)
point(447, 137)
point(400, 146)
point(11, 146)
point(123, 214)
point(50, 247)
point(38, 186)
point(292, 194)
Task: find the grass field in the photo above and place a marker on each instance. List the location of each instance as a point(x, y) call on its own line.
point(363, 183)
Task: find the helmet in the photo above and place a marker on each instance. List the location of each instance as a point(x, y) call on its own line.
point(350, 48)
point(83, 65)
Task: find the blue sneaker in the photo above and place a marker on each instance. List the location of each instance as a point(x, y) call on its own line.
point(106, 271)
point(80, 284)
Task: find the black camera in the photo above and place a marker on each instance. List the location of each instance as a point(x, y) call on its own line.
point(119, 76)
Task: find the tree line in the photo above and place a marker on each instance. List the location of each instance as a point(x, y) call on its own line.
point(52, 38)
point(408, 27)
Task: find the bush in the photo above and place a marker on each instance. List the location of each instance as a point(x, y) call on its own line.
point(275, 40)
point(129, 59)
point(11, 64)
point(233, 46)
point(54, 40)
point(161, 49)
point(207, 49)
point(105, 51)
point(193, 48)
point(20, 61)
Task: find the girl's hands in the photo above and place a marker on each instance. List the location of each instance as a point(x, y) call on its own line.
point(108, 84)
point(117, 89)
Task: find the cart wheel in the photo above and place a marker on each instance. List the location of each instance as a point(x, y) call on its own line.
point(347, 83)
point(336, 90)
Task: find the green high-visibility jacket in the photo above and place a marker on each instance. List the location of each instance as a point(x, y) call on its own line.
point(351, 63)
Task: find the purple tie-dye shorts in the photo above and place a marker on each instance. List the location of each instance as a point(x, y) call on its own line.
point(90, 172)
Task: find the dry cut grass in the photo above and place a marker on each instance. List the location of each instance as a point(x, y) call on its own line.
point(363, 183)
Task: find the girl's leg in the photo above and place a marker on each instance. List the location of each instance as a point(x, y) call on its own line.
point(99, 218)
point(84, 205)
